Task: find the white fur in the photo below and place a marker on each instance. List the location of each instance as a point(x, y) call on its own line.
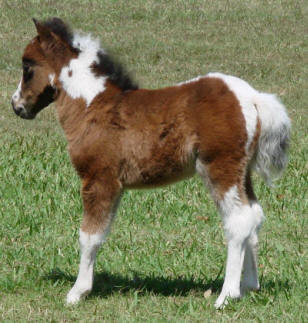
point(86, 43)
point(250, 269)
point(236, 225)
point(195, 79)
point(275, 132)
point(51, 78)
point(89, 244)
point(239, 223)
point(271, 111)
point(245, 95)
point(17, 94)
point(231, 201)
point(83, 83)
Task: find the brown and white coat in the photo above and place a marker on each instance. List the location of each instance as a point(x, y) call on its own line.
point(121, 137)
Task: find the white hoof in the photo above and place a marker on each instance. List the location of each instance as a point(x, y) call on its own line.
point(220, 303)
point(222, 300)
point(74, 296)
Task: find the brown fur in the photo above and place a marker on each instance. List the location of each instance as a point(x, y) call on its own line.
point(147, 138)
point(144, 138)
point(121, 137)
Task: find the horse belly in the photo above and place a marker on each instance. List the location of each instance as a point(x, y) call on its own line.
point(161, 175)
point(161, 165)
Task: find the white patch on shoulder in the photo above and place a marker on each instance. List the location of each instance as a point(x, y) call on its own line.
point(246, 95)
point(77, 78)
point(195, 79)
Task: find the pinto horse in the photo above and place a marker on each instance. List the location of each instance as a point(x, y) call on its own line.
point(121, 137)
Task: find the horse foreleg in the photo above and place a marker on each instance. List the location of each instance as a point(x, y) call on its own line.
point(100, 199)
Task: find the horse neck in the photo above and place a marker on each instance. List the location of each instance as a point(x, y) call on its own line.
point(71, 114)
point(74, 114)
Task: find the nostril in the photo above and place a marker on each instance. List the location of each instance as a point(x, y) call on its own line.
point(18, 110)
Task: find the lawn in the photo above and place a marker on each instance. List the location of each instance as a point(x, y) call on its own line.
point(166, 247)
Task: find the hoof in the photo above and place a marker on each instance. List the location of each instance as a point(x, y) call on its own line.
point(222, 300)
point(74, 296)
point(249, 286)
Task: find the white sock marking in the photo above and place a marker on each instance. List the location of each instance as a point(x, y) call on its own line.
point(250, 270)
point(89, 244)
point(239, 222)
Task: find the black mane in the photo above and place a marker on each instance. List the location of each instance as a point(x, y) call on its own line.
point(106, 65)
point(115, 72)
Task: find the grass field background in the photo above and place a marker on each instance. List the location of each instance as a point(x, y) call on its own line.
point(166, 247)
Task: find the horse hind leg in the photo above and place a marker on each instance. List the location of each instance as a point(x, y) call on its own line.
point(238, 217)
point(250, 279)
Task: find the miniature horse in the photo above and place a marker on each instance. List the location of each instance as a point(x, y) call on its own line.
point(121, 137)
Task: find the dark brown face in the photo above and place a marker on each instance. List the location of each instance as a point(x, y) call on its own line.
point(36, 89)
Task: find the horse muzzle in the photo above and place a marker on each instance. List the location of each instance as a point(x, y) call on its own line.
point(21, 111)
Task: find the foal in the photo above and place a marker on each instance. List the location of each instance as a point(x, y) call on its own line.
point(122, 137)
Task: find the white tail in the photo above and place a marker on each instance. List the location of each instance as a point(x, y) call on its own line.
point(273, 143)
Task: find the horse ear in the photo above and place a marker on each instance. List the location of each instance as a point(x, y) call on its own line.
point(44, 33)
point(34, 21)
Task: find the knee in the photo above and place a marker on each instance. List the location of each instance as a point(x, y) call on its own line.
point(88, 240)
point(239, 225)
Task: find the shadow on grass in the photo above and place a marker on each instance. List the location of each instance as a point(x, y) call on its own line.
point(106, 284)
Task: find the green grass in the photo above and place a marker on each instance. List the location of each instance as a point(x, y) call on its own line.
point(163, 251)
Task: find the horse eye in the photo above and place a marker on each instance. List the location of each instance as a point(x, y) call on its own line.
point(25, 68)
point(28, 74)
